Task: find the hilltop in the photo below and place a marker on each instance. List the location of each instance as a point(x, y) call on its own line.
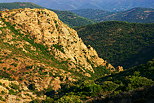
point(17, 5)
point(67, 17)
point(40, 52)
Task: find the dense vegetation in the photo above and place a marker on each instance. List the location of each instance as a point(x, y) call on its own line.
point(137, 81)
point(128, 81)
point(67, 17)
point(138, 15)
point(72, 19)
point(120, 43)
point(94, 14)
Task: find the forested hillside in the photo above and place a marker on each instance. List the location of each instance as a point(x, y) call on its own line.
point(135, 85)
point(126, 84)
point(120, 43)
point(136, 15)
point(72, 19)
point(93, 14)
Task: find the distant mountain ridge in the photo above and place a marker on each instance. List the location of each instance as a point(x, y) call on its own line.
point(111, 5)
point(139, 15)
point(67, 17)
point(17, 5)
point(94, 14)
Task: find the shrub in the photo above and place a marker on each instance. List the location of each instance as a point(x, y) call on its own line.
point(2, 92)
point(1, 98)
point(29, 67)
point(12, 92)
point(59, 47)
point(109, 86)
point(14, 86)
point(35, 101)
point(134, 82)
point(69, 99)
point(48, 100)
point(4, 74)
point(31, 87)
point(14, 64)
point(100, 71)
point(92, 89)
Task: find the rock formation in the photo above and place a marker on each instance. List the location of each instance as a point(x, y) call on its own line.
point(39, 51)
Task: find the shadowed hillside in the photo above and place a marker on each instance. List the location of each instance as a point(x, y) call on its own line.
point(120, 43)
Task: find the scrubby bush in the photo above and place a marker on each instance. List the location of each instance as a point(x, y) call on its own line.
point(109, 86)
point(12, 92)
point(14, 86)
point(92, 89)
point(48, 100)
point(69, 99)
point(134, 82)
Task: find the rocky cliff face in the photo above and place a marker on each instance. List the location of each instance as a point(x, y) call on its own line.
point(41, 52)
point(45, 28)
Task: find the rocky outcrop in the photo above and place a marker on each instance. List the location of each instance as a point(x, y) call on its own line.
point(13, 92)
point(39, 52)
point(120, 69)
point(63, 42)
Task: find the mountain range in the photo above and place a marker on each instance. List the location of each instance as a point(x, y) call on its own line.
point(83, 16)
point(139, 15)
point(111, 5)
